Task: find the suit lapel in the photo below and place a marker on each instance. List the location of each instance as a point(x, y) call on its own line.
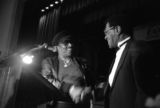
point(123, 56)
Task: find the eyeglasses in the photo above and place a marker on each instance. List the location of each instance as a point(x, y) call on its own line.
point(65, 46)
point(106, 32)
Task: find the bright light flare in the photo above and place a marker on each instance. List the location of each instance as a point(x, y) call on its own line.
point(27, 59)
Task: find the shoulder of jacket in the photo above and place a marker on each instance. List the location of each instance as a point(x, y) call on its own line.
point(49, 59)
point(81, 59)
point(82, 62)
point(140, 46)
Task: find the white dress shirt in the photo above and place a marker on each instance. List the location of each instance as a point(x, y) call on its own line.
point(121, 46)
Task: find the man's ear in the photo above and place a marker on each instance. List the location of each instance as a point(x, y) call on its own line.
point(118, 29)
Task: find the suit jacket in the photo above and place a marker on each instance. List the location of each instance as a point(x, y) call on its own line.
point(128, 88)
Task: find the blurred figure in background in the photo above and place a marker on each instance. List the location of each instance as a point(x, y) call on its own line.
point(68, 73)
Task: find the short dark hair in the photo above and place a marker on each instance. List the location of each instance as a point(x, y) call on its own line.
point(61, 37)
point(121, 20)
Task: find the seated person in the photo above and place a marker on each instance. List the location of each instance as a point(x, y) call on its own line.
point(68, 73)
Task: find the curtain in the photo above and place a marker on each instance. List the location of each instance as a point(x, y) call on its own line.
point(48, 26)
point(10, 72)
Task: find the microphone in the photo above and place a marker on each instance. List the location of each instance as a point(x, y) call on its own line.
point(39, 47)
point(46, 46)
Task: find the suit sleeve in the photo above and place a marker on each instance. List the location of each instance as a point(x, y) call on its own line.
point(47, 70)
point(142, 70)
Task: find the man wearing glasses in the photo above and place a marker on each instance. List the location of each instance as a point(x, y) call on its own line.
point(126, 83)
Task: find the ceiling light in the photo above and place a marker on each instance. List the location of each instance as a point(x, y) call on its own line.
point(56, 2)
point(51, 5)
point(42, 10)
point(61, 0)
point(47, 7)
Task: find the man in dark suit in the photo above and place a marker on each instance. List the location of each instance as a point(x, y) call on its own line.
point(126, 86)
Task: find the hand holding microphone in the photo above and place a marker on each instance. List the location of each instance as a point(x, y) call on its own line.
point(46, 46)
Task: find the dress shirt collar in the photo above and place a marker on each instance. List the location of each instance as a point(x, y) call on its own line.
point(123, 42)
